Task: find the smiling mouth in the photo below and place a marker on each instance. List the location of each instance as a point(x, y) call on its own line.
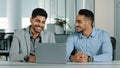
point(39, 28)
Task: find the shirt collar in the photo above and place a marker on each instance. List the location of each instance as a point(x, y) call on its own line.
point(94, 31)
point(31, 33)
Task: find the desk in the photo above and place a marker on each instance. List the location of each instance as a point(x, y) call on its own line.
point(7, 64)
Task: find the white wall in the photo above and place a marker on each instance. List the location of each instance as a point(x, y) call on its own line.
point(104, 15)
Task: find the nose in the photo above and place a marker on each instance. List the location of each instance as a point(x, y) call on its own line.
point(40, 24)
point(76, 24)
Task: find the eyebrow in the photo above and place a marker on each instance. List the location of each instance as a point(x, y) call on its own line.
point(37, 20)
point(78, 20)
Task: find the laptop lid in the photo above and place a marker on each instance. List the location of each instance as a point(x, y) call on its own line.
point(51, 53)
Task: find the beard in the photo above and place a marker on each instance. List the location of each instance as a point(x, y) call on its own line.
point(79, 29)
point(38, 29)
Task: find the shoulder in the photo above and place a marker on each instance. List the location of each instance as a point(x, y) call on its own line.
point(20, 32)
point(101, 32)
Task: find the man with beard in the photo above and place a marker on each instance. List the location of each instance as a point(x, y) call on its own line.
point(24, 40)
point(87, 43)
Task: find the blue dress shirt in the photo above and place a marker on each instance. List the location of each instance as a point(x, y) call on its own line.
point(97, 45)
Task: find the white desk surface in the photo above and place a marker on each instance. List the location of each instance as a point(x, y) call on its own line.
point(7, 64)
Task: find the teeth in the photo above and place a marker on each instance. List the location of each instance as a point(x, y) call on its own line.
point(39, 28)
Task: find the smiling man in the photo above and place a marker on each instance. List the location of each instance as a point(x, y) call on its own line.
point(87, 43)
point(24, 40)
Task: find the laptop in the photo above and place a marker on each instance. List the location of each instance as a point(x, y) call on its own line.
point(51, 53)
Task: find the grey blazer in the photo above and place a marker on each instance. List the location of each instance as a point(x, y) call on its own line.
point(20, 46)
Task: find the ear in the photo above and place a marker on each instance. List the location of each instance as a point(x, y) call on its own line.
point(89, 22)
point(31, 20)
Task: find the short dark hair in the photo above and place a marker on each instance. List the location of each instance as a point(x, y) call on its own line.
point(87, 13)
point(39, 12)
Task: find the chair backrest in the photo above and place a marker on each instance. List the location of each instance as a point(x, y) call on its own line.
point(2, 34)
point(113, 41)
point(2, 41)
point(5, 44)
point(9, 37)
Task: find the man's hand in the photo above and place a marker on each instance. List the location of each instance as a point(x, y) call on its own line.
point(79, 57)
point(32, 58)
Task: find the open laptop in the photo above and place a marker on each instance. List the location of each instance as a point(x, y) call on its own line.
point(51, 53)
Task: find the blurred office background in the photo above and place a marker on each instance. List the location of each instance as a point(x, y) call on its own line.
point(15, 14)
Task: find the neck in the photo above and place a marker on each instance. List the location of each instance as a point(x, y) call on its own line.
point(34, 34)
point(87, 32)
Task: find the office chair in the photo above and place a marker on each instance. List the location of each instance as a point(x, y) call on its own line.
point(5, 43)
point(2, 34)
point(113, 41)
